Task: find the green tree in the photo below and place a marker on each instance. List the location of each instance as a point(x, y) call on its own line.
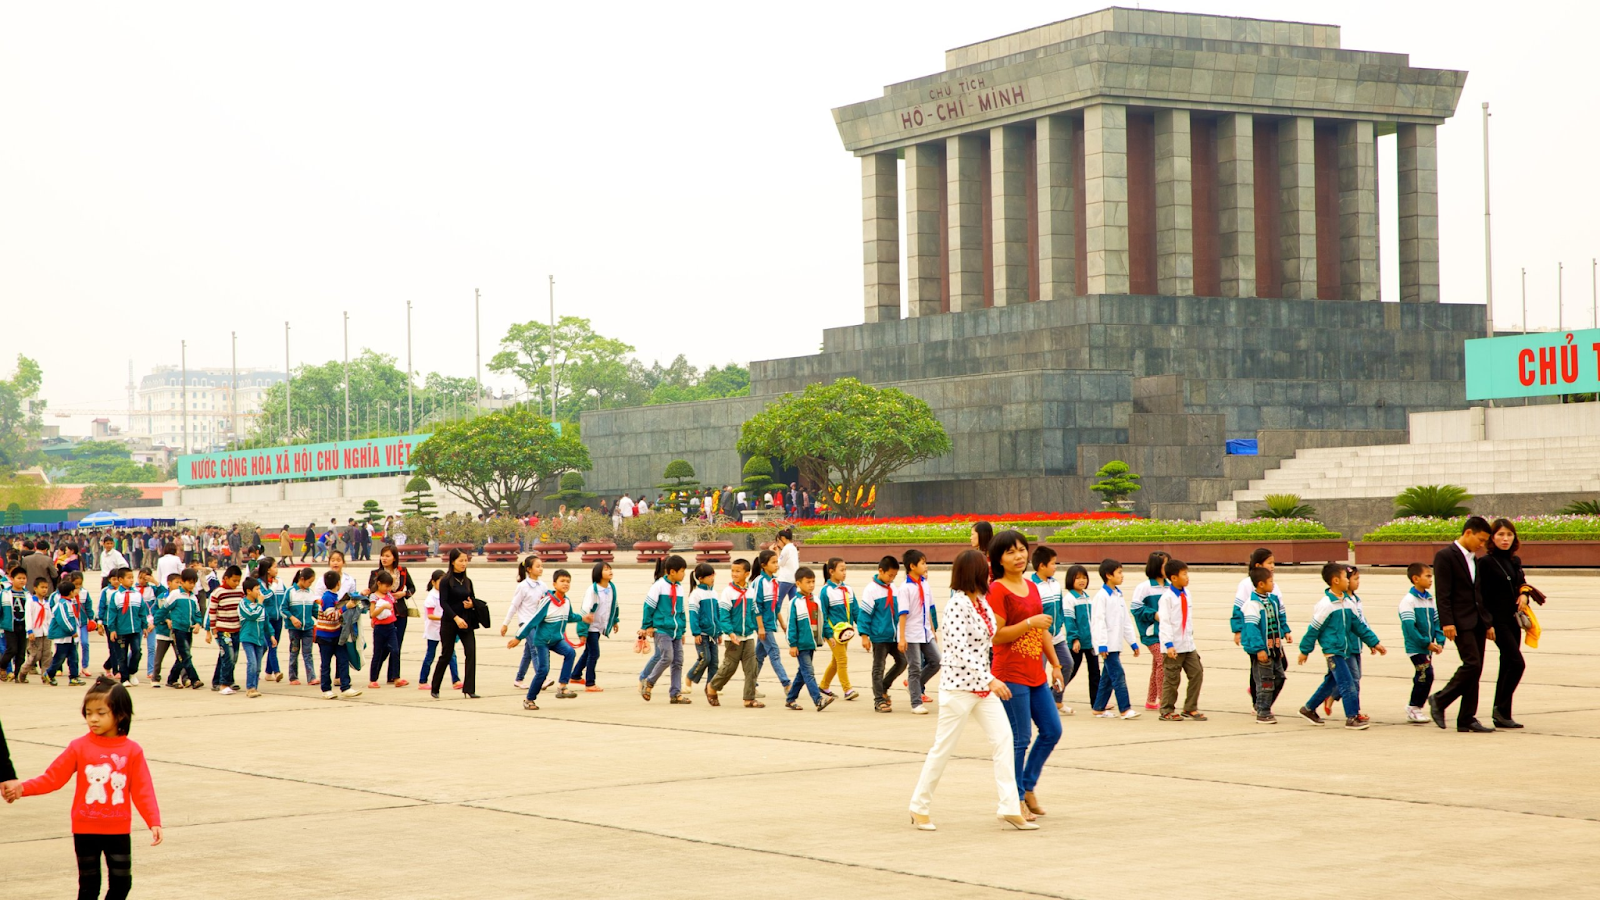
point(448, 390)
point(528, 352)
point(758, 476)
point(20, 420)
point(499, 461)
point(377, 398)
point(106, 496)
point(846, 433)
point(419, 497)
point(572, 492)
point(679, 382)
point(106, 462)
point(1116, 483)
point(679, 475)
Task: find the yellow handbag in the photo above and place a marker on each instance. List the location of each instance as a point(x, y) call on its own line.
point(1530, 631)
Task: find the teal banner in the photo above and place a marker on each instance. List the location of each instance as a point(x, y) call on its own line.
point(300, 462)
point(1533, 365)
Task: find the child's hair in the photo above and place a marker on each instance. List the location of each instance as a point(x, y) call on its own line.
point(230, 572)
point(673, 563)
point(1260, 575)
point(263, 567)
point(786, 533)
point(969, 574)
point(741, 563)
point(834, 562)
point(1074, 573)
point(1173, 567)
point(985, 533)
point(382, 578)
point(598, 570)
point(145, 571)
point(338, 553)
point(560, 574)
point(762, 557)
point(703, 571)
point(117, 700)
point(68, 587)
point(912, 557)
point(1330, 570)
point(192, 575)
point(330, 579)
point(526, 564)
point(1154, 566)
point(305, 574)
point(433, 580)
point(117, 573)
point(888, 564)
point(250, 584)
point(1259, 557)
point(1416, 570)
point(1109, 567)
point(804, 573)
point(1042, 556)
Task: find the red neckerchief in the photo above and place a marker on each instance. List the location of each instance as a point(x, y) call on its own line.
point(126, 593)
point(674, 606)
point(811, 608)
point(1183, 598)
point(742, 591)
point(558, 598)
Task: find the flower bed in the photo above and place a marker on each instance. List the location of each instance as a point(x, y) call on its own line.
point(1529, 528)
point(1177, 531)
point(966, 520)
point(953, 533)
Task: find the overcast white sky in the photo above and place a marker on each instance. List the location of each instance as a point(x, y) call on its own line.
point(177, 171)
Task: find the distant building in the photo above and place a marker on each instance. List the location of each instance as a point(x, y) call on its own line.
point(159, 407)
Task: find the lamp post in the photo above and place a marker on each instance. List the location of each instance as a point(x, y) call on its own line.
point(184, 356)
point(1524, 301)
point(552, 348)
point(347, 375)
point(477, 345)
point(1488, 257)
point(288, 388)
point(410, 419)
point(233, 396)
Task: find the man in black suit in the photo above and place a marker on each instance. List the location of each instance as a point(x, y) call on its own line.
point(1466, 622)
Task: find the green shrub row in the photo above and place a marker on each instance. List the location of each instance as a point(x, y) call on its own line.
point(1529, 528)
point(1261, 530)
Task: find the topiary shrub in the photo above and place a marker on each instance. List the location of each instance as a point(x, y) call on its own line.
point(679, 475)
point(1117, 482)
point(758, 476)
point(1432, 501)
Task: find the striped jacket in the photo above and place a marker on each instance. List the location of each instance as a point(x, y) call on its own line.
point(1419, 622)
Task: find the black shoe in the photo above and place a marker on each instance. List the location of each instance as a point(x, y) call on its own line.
point(1475, 727)
point(1504, 721)
point(434, 694)
point(1435, 710)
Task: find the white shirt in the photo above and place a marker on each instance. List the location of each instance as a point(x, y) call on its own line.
point(525, 601)
point(1110, 623)
point(111, 559)
point(643, 506)
point(625, 507)
point(1176, 632)
point(1472, 561)
point(788, 562)
point(598, 602)
point(167, 565)
point(431, 608)
point(915, 603)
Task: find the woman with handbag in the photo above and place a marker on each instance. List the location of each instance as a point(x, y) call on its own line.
point(969, 690)
point(1505, 593)
point(464, 613)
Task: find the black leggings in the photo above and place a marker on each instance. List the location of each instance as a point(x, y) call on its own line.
point(1508, 638)
point(118, 852)
point(448, 633)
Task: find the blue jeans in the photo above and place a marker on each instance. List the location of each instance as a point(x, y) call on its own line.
point(584, 671)
point(385, 646)
point(150, 653)
point(427, 663)
point(333, 656)
point(541, 665)
point(705, 663)
point(527, 659)
point(182, 659)
point(669, 652)
point(1030, 706)
point(805, 675)
point(275, 630)
point(300, 643)
point(65, 654)
point(1340, 682)
point(922, 663)
point(83, 641)
point(227, 657)
point(128, 649)
point(1112, 678)
point(766, 650)
point(252, 665)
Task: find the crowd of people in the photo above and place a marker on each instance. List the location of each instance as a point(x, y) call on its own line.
point(728, 501)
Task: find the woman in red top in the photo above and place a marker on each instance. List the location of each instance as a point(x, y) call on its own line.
point(112, 778)
point(1021, 646)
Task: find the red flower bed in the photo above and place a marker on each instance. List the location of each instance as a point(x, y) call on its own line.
point(943, 520)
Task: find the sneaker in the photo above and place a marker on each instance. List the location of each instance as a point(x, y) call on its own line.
point(826, 692)
point(228, 690)
point(1064, 710)
point(1131, 714)
point(760, 696)
point(252, 693)
point(1105, 714)
point(153, 684)
point(133, 681)
point(354, 693)
point(919, 710)
point(1363, 718)
point(1268, 719)
point(1355, 723)
point(329, 695)
point(851, 694)
point(1310, 715)
point(925, 699)
point(1416, 716)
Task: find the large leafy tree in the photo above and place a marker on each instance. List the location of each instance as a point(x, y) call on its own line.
point(846, 434)
point(500, 460)
point(542, 364)
point(20, 422)
point(106, 462)
point(105, 496)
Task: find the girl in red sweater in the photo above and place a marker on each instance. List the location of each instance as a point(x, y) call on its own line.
point(112, 778)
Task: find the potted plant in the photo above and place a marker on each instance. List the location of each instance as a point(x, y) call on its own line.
point(590, 533)
point(415, 529)
point(457, 531)
point(1116, 485)
point(501, 534)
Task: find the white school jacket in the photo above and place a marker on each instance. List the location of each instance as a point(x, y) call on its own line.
point(525, 602)
point(1110, 623)
point(1177, 632)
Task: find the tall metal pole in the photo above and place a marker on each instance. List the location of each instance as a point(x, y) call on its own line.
point(184, 355)
point(1561, 305)
point(1594, 295)
point(1524, 301)
point(1488, 256)
point(233, 396)
point(410, 419)
point(347, 375)
point(477, 345)
point(552, 348)
point(288, 388)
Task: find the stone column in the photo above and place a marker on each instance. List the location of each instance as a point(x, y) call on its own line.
point(1358, 212)
point(1008, 206)
point(963, 193)
point(1297, 207)
point(1236, 203)
point(924, 263)
point(1418, 176)
point(880, 227)
point(1057, 254)
point(1105, 188)
point(1174, 205)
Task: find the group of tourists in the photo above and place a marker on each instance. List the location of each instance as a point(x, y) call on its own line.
point(793, 501)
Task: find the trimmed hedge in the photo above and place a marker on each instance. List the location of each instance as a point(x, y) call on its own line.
point(1159, 530)
point(1529, 528)
point(953, 533)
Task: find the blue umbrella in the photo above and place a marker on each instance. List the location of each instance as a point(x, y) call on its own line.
point(102, 518)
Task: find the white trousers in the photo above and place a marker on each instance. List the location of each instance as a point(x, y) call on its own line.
point(955, 708)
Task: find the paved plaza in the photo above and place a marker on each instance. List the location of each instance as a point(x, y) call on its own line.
point(395, 795)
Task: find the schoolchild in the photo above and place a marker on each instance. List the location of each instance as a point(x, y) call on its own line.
point(1113, 628)
point(1263, 629)
point(1424, 638)
point(880, 622)
point(703, 624)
